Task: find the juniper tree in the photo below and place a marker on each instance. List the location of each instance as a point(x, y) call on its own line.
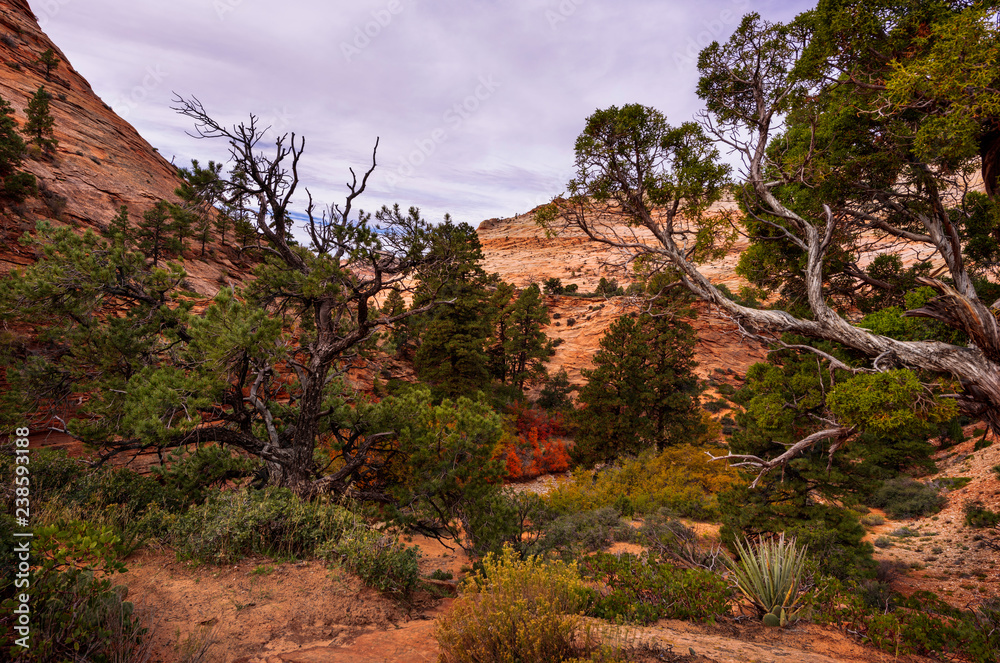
point(861, 127)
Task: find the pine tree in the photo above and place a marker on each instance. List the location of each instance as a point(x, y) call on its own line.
point(451, 354)
point(642, 391)
point(183, 222)
point(223, 222)
point(202, 190)
point(48, 60)
point(118, 229)
point(39, 126)
point(526, 347)
point(154, 234)
point(15, 185)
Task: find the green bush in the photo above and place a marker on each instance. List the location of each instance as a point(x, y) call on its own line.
point(586, 531)
point(520, 610)
point(977, 515)
point(674, 541)
point(833, 534)
point(642, 591)
point(190, 476)
point(234, 524)
point(918, 624)
point(52, 471)
point(872, 520)
point(380, 560)
point(77, 613)
point(907, 498)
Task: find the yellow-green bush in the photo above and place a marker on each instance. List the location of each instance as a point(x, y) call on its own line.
point(681, 478)
point(516, 610)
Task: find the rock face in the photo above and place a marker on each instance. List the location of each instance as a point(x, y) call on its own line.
point(101, 162)
point(523, 253)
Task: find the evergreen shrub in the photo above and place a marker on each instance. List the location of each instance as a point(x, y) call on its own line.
point(642, 591)
point(234, 524)
point(904, 497)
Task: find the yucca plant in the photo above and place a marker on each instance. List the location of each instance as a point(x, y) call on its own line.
point(769, 574)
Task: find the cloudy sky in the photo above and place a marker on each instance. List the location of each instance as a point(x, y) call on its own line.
point(476, 103)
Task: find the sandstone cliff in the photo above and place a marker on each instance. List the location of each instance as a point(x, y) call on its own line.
point(101, 161)
point(524, 253)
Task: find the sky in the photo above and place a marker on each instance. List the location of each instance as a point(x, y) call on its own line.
point(476, 103)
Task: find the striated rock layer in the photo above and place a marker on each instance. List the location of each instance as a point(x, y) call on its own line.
point(100, 164)
point(524, 253)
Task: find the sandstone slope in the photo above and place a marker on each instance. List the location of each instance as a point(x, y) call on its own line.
point(524, 253)
point(101, 161)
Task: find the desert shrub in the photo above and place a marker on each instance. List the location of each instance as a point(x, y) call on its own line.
point(977, 515)
point(918, 624)
point(52, 471)
point(904, 532)
point(18, 187)
point(769, 573)
point(872, 520)
point(715, 406)
point(586, 531)
point(677, 543)
point(726, 389)
point(904, 497)
point(77, 613)
point(274, 522)
point(380, 560)
point(519, 610)
point(642, 591)
point(952, 483)
point(125, 491)
point(883, 542)
point(681, 478)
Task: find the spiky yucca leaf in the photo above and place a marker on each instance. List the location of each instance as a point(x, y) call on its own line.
point(769, 574)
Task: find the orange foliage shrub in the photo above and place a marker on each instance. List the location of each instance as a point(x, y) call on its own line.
point(528, 447)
